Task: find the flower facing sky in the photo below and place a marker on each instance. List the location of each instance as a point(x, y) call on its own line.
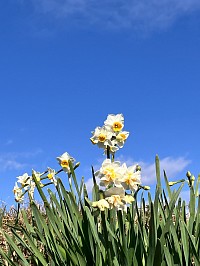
point(111, 134)
point(63, 160)
point(115, 122)
point(109, 173)
point(102, 137)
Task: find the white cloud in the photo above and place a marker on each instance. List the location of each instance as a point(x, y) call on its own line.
point(172, 166)
point(119, 13)
point(12, 160)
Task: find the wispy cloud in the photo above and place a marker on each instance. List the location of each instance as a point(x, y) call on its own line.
point(119, 13)
point(16, 160)
point(172, 166)
point(9, 142)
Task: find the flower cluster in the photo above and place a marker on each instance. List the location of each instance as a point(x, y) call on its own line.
point(111, 134)
point(117, 179)
point(120, 181)
point(26, 184)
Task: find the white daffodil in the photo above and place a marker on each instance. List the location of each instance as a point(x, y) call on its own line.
point(109, 173)
point(16, 189)
point(24, 180)
point(51, 175)
point(31, 190)
point(131, 178)
point(102, 137)
point(37, 175)
point(121, 137)
point(64, 161)
point(128, 199)
point(115, 201)
point(115, 122)
point(19, 198)
point(102, 204)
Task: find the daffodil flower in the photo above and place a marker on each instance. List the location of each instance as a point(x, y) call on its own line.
point(121, 137)
point(24, 180)
point(16, 189)
point(102, 137)
point(37, 175)
point(115, 122)
point(128, 199)
point(131, 178)
point(115, 201)
point(51, 175)
point(102, 204)
point(19, 198)
point(64, 161)
point(109, 173)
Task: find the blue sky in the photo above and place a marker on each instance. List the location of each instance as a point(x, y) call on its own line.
point(65, 65)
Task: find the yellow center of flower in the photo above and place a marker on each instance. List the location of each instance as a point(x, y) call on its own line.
point(102, 138)
point(117, 126)
point(130, 178)
point(121, 137)
point(50, 176)
point(64, 163)
point(110, 173)
point(116, 200)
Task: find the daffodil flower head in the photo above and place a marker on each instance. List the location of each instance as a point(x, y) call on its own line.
point(121, 137)
point(131, 178)
point(24, 180)
point(51, 175)
point(115, 201)
point(19, 198)
point(128, 199)
point(109, 173)
point(102, 204)
point(63, 160)
point(115, 122)
point(37, 175)
point(16, 189)
point(102, 137)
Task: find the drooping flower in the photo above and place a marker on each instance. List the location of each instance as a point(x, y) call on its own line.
point(115, 122)
point(131, 178)
point(64, 161)
point(102, 204)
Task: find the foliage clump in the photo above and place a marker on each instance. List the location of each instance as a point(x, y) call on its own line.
point(117, 225)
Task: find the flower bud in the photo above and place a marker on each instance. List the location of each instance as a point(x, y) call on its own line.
point(138, 168)
point(188, 174)
point(171, 183)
